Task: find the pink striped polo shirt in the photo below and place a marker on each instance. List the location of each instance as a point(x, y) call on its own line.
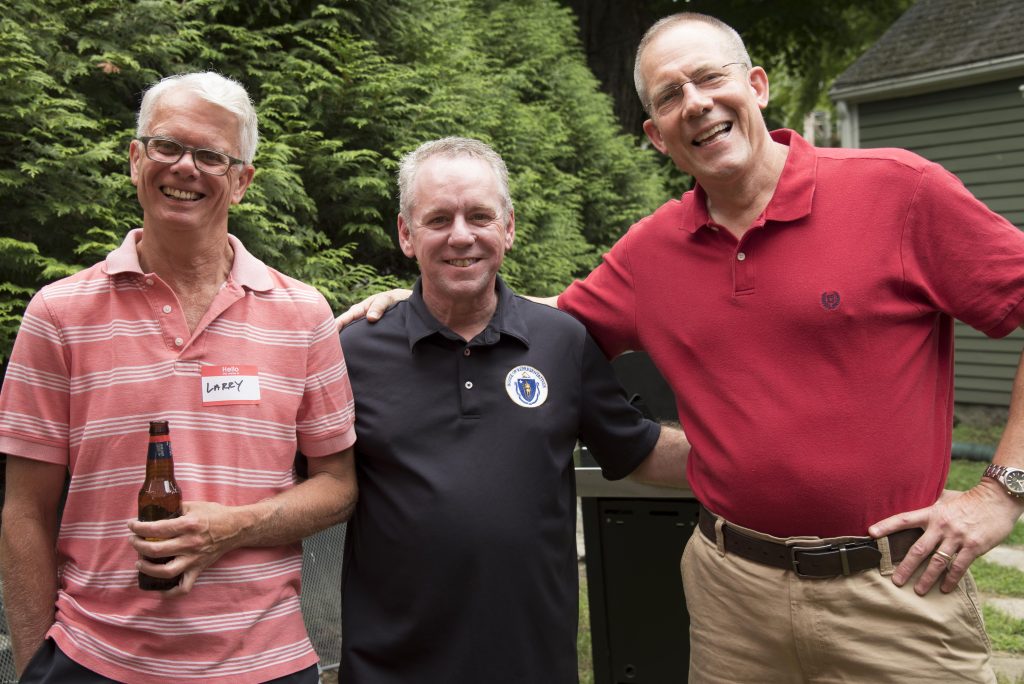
point(102, 353)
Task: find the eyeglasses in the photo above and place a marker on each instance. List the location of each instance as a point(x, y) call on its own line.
point(169, 151)
point(669, 98)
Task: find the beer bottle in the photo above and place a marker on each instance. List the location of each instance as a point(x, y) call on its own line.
point(159, 498)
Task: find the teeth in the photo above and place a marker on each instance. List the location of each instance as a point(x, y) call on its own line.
point(462, 263)
point(711, 132)
point(181, 194)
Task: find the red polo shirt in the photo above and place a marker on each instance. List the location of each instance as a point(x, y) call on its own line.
point(812, 360)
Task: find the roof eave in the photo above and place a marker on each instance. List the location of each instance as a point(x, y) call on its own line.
point(939, 79)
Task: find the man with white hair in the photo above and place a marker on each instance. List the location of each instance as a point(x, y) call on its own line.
point(460, 564)
point(143, 336)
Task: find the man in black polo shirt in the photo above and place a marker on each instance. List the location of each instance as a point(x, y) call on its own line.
point(460, 561)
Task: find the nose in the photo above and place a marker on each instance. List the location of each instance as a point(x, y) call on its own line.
point(191, 164)
point(461, 234)
point(695, 101)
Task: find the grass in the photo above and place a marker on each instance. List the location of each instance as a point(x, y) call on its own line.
point(978, 434)
point(993, 578)
point(584, 654)
point(1006, 633)
point(964, 474)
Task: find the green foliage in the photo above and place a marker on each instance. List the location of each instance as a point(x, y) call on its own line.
point(993, 578)
point(584, 646)
point(964, 474)
point(343, 90)
point(1006, 633)
point(978, 434)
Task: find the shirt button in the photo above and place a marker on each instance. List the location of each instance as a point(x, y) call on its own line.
point(149, 281)
point(741, 256)
point(466, 352)
point(167, 308)
point(178, 341)
point(469, 385)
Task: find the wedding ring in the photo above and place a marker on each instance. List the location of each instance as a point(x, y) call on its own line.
point(946, 557)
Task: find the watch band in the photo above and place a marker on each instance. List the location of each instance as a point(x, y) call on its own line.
point(998, 473)
point(995, 472)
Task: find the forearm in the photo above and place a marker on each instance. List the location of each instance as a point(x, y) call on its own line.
point(1010, 451)
point(28, 563)
point(315, 504)
point(208, 530)
point(666, 464)
point(28, 552)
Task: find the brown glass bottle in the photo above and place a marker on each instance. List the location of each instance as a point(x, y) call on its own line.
point(159, 498)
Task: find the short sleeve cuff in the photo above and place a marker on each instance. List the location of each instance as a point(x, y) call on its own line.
point(1010, 322)
point(23, 448)
point(644, 447)
point(315, 448)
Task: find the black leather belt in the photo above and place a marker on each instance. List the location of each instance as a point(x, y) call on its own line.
point(810, 560)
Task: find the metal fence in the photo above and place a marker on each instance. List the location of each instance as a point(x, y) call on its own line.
point(6, 655)
point(321, 593)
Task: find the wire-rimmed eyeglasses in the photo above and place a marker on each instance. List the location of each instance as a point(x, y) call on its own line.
point(671, 96)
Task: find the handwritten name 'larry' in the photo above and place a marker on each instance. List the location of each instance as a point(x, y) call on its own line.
point(235, 385)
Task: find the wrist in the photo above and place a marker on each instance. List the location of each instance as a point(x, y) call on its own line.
point(1008, 478)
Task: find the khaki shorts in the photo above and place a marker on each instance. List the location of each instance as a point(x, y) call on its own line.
point(758, 624)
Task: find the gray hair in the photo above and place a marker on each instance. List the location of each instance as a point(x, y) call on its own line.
point(734, 44)
point(215, 89)
point(451, 148)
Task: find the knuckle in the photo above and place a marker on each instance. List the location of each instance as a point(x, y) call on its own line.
point(918, 549)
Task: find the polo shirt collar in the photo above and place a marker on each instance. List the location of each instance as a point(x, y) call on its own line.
point(793, 194)
point(246, 270)
point(507, 319)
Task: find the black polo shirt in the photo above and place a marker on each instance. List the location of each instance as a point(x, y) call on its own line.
point(460, 560)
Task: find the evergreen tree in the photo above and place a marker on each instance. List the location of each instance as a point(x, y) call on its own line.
point(343, 89)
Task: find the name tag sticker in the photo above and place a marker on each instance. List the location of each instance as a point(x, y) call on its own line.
point(229, 384)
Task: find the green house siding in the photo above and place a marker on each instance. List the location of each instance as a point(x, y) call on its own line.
point(977, 132)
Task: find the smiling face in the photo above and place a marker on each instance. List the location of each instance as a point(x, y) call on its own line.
point(458, 231)
point(716, 132)
point(178, 196)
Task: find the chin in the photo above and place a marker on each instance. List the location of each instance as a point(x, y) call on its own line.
point(467, 289)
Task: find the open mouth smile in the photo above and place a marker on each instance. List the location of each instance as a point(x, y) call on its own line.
point(185, 195)
point(712, 134)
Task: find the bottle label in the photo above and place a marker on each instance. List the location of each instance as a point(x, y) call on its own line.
point(159, 447)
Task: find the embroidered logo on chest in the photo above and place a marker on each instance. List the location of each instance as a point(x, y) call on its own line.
point(526, 386)
point(830, 300)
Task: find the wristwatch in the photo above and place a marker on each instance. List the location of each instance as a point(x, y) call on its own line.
point(1012, 479)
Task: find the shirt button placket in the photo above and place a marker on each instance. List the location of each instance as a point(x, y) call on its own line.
point(743, 272)
point(467, 392)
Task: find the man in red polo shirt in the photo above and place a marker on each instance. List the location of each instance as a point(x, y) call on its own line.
point(800, 302)
point(143, 336)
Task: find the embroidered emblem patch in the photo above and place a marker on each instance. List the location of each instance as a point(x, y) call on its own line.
point(830, 301)
point(526, 386)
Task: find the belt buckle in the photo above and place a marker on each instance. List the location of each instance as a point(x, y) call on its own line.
point(824, 547)
point(841, 548)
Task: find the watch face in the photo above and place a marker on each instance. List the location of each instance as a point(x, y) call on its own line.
point(1014, 481)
